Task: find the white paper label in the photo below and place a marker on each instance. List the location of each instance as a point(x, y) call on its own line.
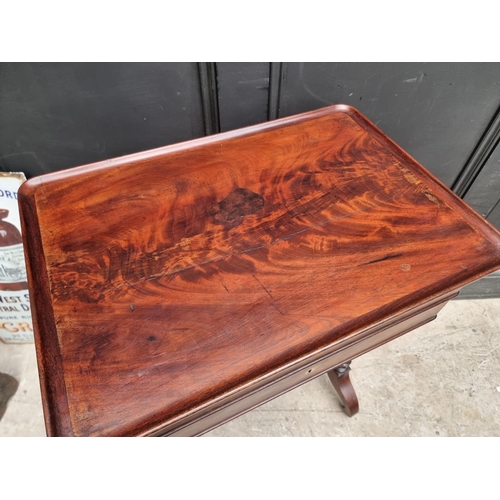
point(12, 265)
point(15, 316)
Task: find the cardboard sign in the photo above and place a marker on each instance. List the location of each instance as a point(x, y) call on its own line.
point(16, 325)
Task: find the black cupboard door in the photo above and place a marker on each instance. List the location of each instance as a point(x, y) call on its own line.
point(59, 115)
point(437, 112)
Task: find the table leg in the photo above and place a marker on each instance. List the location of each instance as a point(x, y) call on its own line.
point(339, 377)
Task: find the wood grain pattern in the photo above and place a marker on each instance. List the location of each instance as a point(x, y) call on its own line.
point(170, 279)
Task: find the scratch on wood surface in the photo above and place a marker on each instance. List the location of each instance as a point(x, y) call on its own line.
point(387, 257)
point(160, 343)
point(431, 197)
point(409, 176)
point(263, 287)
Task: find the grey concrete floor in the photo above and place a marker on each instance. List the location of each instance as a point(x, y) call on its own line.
point(442, 379)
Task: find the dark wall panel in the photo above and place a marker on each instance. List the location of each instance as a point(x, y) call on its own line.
point(436, 111)
point(243, 90)
point(55, 116)
point(485, 288)
point(484, 193)
point(494, 216)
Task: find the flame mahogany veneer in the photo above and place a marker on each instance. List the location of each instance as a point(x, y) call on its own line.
point(177, 288)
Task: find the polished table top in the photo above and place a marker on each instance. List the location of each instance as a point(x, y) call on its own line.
point(166, 280)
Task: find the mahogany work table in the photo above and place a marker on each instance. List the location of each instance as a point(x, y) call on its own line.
point(177, 288)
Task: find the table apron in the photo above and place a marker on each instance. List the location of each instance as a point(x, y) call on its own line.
point(213, 417)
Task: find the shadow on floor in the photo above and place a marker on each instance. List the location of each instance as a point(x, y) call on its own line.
point(8, 387)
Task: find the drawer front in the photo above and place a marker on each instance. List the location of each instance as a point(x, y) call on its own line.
point(223, 413)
